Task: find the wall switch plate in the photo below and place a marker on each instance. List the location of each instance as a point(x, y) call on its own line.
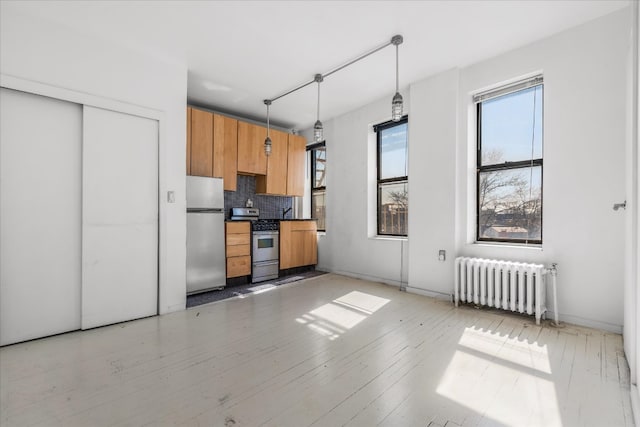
point(171, 197)
point(442, 255)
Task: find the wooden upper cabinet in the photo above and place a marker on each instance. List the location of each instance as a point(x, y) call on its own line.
point(295, 165)
point(218, 146)
point(201, 143)
point(251, 157)
point(225, 133)
point(275, 181)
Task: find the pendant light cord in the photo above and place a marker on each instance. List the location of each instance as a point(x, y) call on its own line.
point(268, 104)
point(318, 110)
point(397, 69)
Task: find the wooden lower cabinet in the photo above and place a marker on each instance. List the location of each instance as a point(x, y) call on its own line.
point(298, 244)
point(239, 266)
point(238, 248)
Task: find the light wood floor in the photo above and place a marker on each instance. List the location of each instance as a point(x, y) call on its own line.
point(327, 351)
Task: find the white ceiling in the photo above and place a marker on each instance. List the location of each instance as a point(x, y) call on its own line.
point(241, 52)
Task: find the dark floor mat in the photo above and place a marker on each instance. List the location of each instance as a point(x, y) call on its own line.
point(251, 288)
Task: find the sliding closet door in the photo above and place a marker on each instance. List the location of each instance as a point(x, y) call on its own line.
point(40, 216)
point(120, 217)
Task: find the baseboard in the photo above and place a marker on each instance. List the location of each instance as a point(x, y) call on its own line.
point(589, 323)
point(361, 276)
point(428, 293)
point(635, 403)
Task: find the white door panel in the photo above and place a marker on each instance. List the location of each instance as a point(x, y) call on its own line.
point(120, 217)
point(40, 216)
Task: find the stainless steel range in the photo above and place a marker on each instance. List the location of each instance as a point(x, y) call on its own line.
point(265, 254)
point(266, 250)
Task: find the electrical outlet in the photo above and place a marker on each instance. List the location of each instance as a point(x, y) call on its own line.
point(442, 255)
point(171, 197)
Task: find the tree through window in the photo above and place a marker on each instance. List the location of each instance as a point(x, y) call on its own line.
point(393, 196)
point(319, 183)
point(509, 171)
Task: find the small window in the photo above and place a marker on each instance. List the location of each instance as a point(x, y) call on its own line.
point(318, 183)
point(393, 195)
point(509, 164)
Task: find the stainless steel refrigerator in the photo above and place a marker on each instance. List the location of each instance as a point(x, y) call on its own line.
point(205, 234)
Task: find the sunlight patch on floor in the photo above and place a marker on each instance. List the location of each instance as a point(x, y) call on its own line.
point(528, 355)
point(257, 290)
point(505, 380)
point(334, 318)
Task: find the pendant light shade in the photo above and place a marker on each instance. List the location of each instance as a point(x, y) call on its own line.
point(396, 102)
point(267, 140)
point(267, 146)
point(318, 131)
point(396, 107)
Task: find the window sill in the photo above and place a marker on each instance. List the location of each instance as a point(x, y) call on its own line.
point(507, 245)
point(401, 238)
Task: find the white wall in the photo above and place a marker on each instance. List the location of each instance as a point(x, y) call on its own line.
point(584, 174)
point(432, 182)
point(349, 246)
point(39, 51)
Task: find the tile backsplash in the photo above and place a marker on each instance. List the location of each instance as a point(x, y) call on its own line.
point(270, 206)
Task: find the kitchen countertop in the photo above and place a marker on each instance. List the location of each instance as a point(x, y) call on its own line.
point(271, 219)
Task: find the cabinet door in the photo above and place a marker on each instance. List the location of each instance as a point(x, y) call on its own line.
point(230, 135)
point(310, 247)
point(188, 140)
point(251, 157)
point(296, 165)
point(218, 146)
point(201, 143)
point(275, 181)
point(238, 266)
point(285, 244)
point(298, 244)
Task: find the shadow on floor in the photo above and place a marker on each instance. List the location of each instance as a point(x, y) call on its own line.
point(250, 288)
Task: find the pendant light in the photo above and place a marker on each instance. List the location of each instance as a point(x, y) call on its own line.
point(317, 127)
point(396, 102)
point(267, 140)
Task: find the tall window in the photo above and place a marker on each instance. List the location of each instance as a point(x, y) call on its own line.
point(509, 172)
point(318, 183)
point(393, 197)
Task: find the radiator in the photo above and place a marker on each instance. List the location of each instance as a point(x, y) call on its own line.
point(507, 285)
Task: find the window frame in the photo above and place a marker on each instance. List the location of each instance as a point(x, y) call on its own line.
point(312, 148)
point(507, 165)
point(403, 179)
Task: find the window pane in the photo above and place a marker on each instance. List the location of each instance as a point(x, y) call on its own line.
point(510, 204)
point(393, 152)
point(318, 207)
point(320, 159)
point(511, 128)
point(392, 212)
